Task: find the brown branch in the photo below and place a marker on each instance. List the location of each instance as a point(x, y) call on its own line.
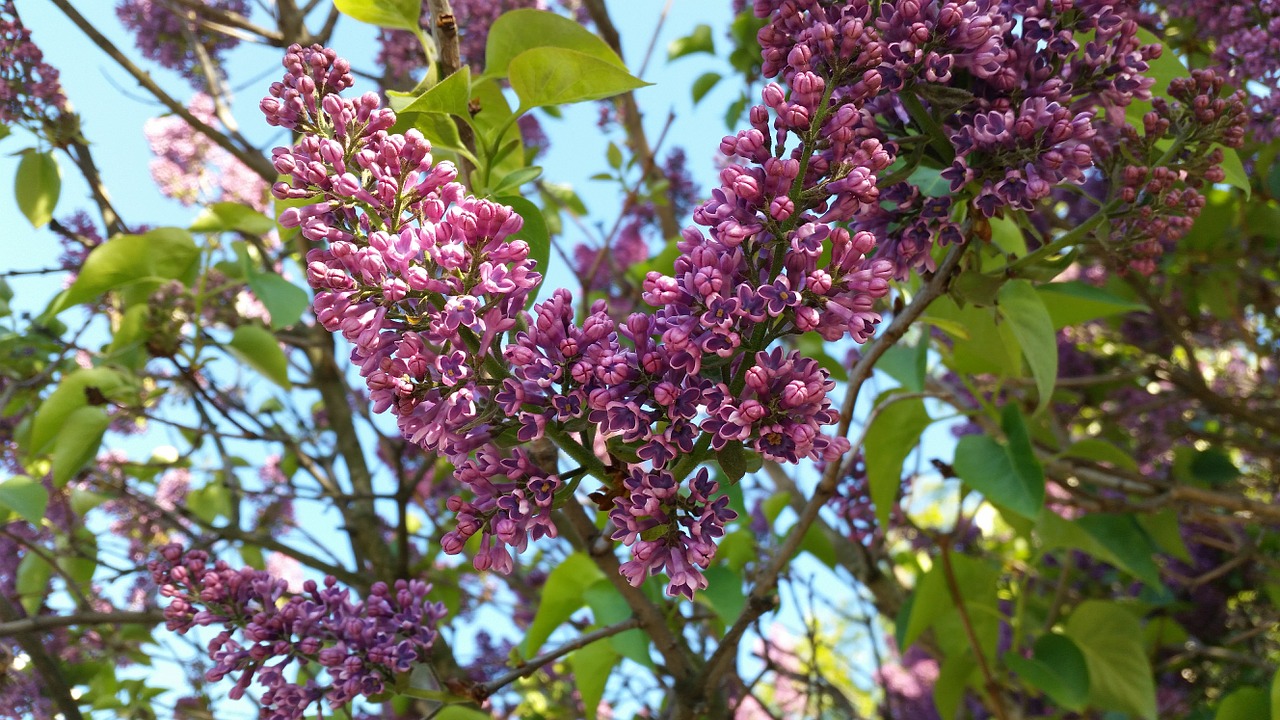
point(583, 534)
point(83, 158)
point(633, 121)
point(853, 557)
point(55, 684)
point(444, 28)
point(484, 690)
point(957, 597)
point(253, 160)
point(40, 623)
point(202, 12)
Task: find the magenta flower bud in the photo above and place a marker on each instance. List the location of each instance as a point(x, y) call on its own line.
point(773, 95)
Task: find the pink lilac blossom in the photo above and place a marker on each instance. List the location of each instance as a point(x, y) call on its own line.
point(164, 34)
point(361, 644)
point(190, 168)
point(422, 279)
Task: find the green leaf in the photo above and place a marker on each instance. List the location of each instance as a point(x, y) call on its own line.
point(403, 14)
point(562, 595)
point(232, 217)
point(515, 179)
point(69, 396)
point(1102, 451)
point(818, 544)
point(37, 186)
point(282, 299)
point(894, 432)
point(608, 607)
point(1246, 703)
point(1275, 696)
point(1071, 303)
point(534, 232)
point(931, 601)
point(460, 712)
point(724, 594)
point(1233, 168)
point(1127, 544)
point(906, 364)
point(555, 76)
point(32, 581)
point(517, 31)
point(988, 467)
point(259, 349)
point(592, 666)
point(77, 443)
point(614, 156)
point(1006, 235)
point(210, 502)
point(1166, 532)
point(1021, 306)
point(731, 460)
point(450, 96)
point(1119, 672)
point(126, 260)
point(703, 85)
point(26, 497)
point(563, 194)
point(698, 41)
point(953, 678)
point(1057, 668)
point(1028, 468)
point(438, 128)
point(984, 350)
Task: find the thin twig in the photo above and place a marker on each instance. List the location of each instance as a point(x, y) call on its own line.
point(41, 623)
point(255, 161)
point(484, 690)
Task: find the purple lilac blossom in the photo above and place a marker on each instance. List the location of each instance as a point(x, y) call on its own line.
point(361, 644)
point(1245, 39)
point(29, 89)
point(164, 36)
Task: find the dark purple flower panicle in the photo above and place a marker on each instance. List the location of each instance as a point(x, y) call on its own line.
point(164, 34)
point(29, 87)
point(362, 645)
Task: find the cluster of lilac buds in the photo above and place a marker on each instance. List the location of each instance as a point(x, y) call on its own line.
point(362, 645)
point(1164, 198)
point(1245, 38)
point(174, 37)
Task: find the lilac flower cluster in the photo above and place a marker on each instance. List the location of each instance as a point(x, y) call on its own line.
point(29, 87)
point(1008, 100)
point(190, 168)
point(168, 35)
point(1245, 40)
point(1182, 131)
point(422, 280)
point(361, 645)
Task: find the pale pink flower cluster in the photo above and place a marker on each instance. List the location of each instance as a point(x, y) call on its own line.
point(190, 168)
